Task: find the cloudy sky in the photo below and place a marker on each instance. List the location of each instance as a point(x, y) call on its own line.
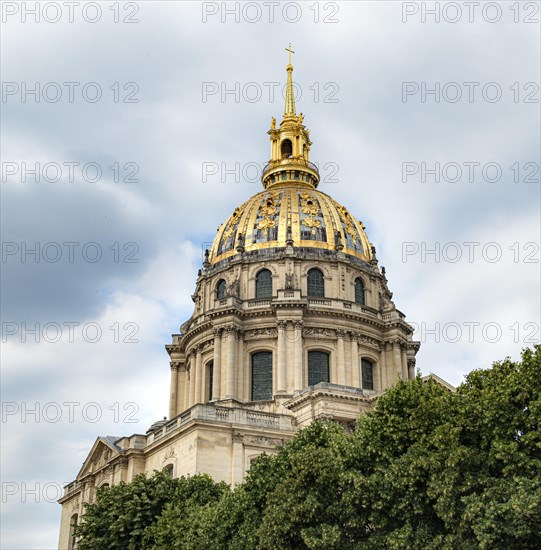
point(131, 130)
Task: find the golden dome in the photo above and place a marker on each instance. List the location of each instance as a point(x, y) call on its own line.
point(291, 211)
point(315, 221)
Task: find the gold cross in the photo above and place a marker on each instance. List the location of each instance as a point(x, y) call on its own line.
point(290, 51)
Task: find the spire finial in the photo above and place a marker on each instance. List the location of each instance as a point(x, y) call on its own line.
point(290, 95)
point(290, 146)
point(289, 51)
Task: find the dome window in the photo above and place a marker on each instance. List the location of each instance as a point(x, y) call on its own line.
point(220, 290)
point(263, 284)
point(316, 284)
point(367, 371)
point(286, 148)
point(318, 367)
point(359, 291)
point(262, 376)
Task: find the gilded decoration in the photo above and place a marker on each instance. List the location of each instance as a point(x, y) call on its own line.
point(233, 222)
point(268, 212)
point(346, 219)
point(310, 208)
point(271, 219)
point(291, 211)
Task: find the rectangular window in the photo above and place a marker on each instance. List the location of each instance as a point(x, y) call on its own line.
point(318, 367)
point(263, 284)
point(262, 376)
point(367, 374)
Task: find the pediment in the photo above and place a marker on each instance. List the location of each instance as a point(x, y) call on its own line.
point(102, 453)
point(439, 381)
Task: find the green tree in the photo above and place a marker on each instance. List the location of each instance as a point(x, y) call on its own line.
point(127, 516)
point(183, 523)
point(427, 469)
point(487, 475)
point(289, 500)
point(433, 469)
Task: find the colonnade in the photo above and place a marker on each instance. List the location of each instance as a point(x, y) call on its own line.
point(230, 368)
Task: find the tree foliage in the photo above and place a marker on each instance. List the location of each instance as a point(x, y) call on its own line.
point(132, 516)
point(428, 469)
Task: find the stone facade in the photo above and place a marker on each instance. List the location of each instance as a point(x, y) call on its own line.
point(218, 422)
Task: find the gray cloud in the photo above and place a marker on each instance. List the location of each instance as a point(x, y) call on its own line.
point(170, 213)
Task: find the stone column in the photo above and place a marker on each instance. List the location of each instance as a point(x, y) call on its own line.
point(237, 459)
point(340, 366)
point(187, 386)
point(355, 369)
point(298, 355)
point(217, 365)
point(173, 390)
point(290, 354)
point(383, 367)
point(181, 393)
point(230, 365)
point(198, 376)
point(411, 368)
point(192, 378)
point(239, 394)
point(404, 363)
point(203, 396)
point(397, 361)
point(281, 352)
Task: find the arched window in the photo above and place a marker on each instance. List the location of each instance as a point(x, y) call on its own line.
point(72, 541)
point(359, 291)
point(220, 290)
point(286, 148)
point(210, 371)
point(316, 284)
point(169, 470)
point(367, 371)
point(318, 367)
point(263, 284)
point(262, 376)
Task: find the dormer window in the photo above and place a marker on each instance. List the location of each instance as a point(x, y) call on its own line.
point(220, 290)
point(263, 284)
point(359, 291)
point(316, 284)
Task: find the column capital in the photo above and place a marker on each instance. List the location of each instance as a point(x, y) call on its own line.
point(238, 437)
point(396, 343)
point(231, 329)
point(175, 365)
point(340, 333)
